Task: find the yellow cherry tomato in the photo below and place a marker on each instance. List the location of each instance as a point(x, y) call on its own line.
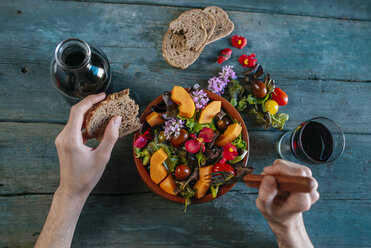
point(271, 106)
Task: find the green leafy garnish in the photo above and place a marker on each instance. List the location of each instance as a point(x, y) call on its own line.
point(201, 159)
point(194, 126)
point(279, 119)
point(144, 155)
point(239, 143)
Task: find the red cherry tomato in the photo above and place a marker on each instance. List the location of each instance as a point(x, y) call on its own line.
point(223, 167)
point(182, 172)
point(280, 97)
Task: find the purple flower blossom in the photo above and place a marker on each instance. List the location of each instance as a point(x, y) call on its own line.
point(200, 98)
point(172, 127)
point(217, 85)
point(227, 73)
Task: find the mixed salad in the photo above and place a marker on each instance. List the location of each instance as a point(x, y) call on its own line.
point(255, 95)
point(185, 139)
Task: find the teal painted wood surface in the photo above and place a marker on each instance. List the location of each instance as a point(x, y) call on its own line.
point(318, 51)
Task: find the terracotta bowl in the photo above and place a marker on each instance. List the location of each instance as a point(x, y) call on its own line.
point(144, 174)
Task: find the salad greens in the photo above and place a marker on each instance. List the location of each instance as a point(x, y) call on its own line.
point(242, 97)
point(189, 145)
point(194, 126)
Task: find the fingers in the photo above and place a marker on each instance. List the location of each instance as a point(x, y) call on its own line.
point(78, 110)
point(110, 137)
point(298, 202)
point(267, 193)
point(283, 167)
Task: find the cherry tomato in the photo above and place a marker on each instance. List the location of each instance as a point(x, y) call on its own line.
point(222, 124)
point(223, 167)
point(280, 97)
point(271, 106)
point(161, 137)
point(259, 89)
point(182, 172)
point(180, 139)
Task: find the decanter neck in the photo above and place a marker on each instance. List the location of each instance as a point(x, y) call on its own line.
point(73, 54)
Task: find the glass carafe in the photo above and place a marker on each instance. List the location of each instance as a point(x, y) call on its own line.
point(79, 69)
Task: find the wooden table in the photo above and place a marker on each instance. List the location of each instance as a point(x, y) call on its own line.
point(318, 51)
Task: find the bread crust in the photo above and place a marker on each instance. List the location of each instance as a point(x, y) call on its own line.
point(196, 53)
point(93, 110)
point(227, 32)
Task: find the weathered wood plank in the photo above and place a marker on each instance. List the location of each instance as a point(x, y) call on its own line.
point(29, 163)
point(307, 98)
point(320, 46)
point(135, 221)
point(357, 10)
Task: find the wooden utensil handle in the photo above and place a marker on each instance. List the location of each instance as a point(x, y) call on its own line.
point(285, 183)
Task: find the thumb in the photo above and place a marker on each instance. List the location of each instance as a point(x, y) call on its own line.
point(110, 136)
point(267, 193)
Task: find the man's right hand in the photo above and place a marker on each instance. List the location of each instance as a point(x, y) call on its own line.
point(283, 210)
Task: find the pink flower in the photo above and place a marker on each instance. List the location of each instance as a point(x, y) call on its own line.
point(193, 145)
point(143, 139)
point(229, 151)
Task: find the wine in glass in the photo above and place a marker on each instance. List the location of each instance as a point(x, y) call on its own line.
point(315, 141)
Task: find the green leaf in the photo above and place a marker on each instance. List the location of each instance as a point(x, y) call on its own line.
point(279, 120)
point(201, 159)
point(242, 104)
point(235, 92)
point(251, 100)
point(194, 126)
point(144, 155)
point(239, 158)
point(239, 143)
point(214, 191)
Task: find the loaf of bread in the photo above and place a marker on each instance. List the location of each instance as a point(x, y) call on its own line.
point(100, 114)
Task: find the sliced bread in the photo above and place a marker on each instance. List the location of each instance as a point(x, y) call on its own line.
point(175, 51)
point(224, 26)
point(196, 26)
point(100, 114)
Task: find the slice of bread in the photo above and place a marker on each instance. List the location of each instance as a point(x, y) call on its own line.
point(224, 26)
point(196, 26)
point(175, 51)
point(119, 103)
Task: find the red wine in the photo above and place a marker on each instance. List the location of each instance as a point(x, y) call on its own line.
point(75, 58)
point(312, 142)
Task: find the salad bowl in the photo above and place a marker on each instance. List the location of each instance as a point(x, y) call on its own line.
point(145, 175)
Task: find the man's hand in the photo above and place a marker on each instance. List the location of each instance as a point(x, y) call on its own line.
point(283, 210)
point(81, 166)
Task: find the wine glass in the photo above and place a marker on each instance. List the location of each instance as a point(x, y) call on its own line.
point(315, 141)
